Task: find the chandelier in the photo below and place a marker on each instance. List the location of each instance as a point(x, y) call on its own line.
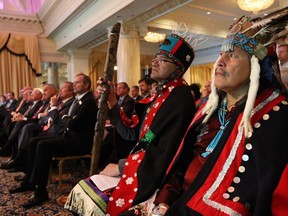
point(154, 37)
point(254, 5)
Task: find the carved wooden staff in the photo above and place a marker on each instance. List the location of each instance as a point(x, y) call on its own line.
point(103, 106)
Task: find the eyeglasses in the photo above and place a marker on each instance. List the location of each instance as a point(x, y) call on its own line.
point(160, 60)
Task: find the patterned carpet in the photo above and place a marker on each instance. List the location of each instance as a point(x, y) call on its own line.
point(10, 204)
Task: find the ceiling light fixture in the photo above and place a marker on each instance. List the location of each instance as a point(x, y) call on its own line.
point(154, 37)
point(254, 5)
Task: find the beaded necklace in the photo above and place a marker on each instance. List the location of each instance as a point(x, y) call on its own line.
point(223, 123)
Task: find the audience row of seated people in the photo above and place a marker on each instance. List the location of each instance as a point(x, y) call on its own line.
point(13, 109)
point(38, 109)
point(7, 104)
point(52, 125)
point(33, 127)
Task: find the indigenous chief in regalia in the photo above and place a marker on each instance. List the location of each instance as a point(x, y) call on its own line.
point(235, 151)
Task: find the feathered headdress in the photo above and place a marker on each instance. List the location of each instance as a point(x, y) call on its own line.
point(257, 37)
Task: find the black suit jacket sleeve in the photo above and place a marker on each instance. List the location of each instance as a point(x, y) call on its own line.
point(128, 105)
point(56, 114)
point(82, 124)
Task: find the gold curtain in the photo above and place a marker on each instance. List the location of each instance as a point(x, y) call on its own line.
point(19, 61)
point(97, 62)
point(201, 73)
point(22, 45)
point(15, 73)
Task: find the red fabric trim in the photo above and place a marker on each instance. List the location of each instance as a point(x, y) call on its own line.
point(131, 123)
point(280, 196)
point(176, 47)
point(148, 99)
point(197, 203)
point(127, 188)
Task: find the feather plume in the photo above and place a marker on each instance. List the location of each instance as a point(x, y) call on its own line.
point(184, 31)
point(277, 16)
point(279, 38)
point(254, 84)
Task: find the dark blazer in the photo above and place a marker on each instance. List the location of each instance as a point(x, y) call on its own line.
point(128, 104)
point(34, 128)
point(75, 138)
point(56, 116)
point(5, 114)
point(65, 108)
point(81, 123)
point(12, 105)
point(8, 125)
point(24, 107)
point(138, 98)
point(16, 105)
point(32, 110)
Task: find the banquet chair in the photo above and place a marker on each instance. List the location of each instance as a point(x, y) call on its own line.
point(61, 160)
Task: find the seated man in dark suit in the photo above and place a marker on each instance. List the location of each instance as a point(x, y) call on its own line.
point(10, 105)
point(23, 104)
point(14, 106)
point(75, 138)
point(46, 125)
point(7, 117)
point(11, 101)
point(135, 93)
point(9, 123)
point(49, 90)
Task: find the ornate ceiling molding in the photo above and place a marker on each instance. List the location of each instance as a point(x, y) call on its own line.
point(20, 23)
point(55, 13)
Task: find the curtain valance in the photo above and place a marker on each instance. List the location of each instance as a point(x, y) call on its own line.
point(22, 45)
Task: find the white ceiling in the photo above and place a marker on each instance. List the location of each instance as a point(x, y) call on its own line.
point(194, 14)
point(82, 24)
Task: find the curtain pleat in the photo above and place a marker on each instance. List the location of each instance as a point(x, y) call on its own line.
point(19, 61)
point(201, 73)
point(97, 62)
point(15, 73)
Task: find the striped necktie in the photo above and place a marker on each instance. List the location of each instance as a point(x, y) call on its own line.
point(19, 106)
point(120, 102)
point(38, 111)
point(28, 110)
point(60, 106)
